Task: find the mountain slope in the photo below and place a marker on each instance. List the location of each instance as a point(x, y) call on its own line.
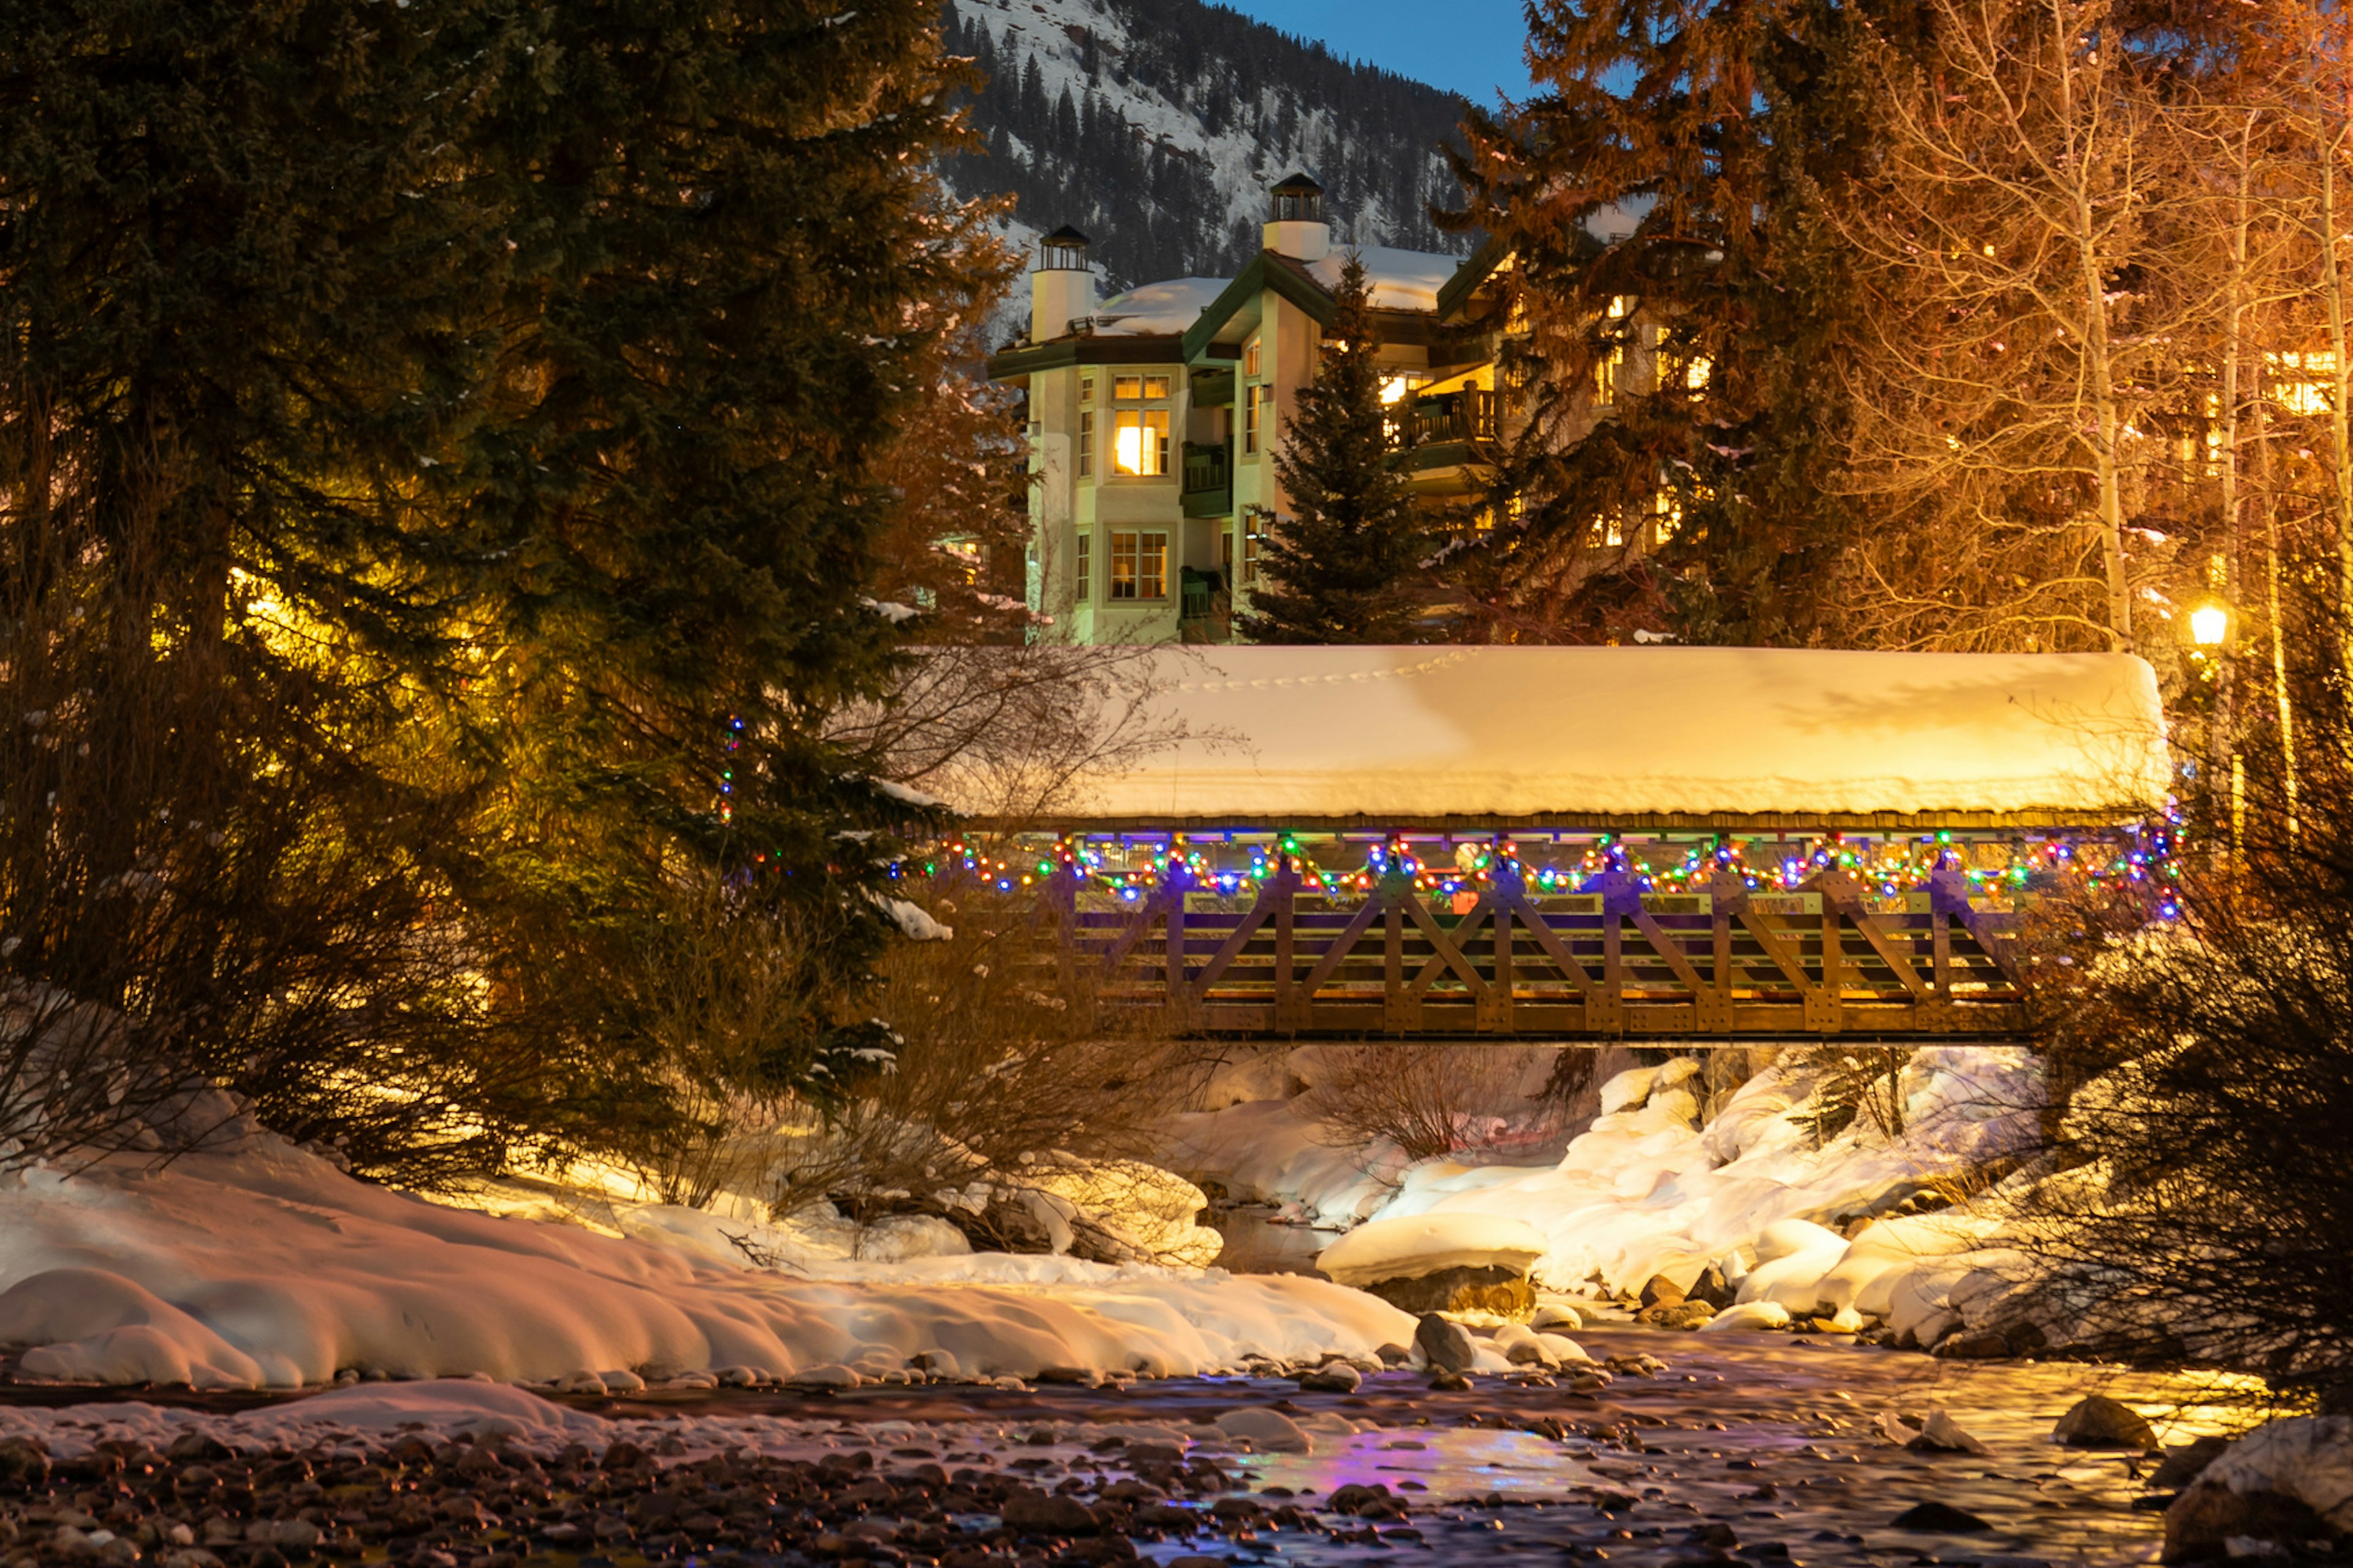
point(1156, 126)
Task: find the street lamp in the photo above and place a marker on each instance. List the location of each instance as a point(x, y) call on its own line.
point(2209, 630)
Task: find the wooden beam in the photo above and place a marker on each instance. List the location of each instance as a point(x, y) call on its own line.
point(1448, 953)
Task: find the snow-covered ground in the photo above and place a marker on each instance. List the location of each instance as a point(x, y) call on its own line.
point(1794, 1221)
point(269, 1267)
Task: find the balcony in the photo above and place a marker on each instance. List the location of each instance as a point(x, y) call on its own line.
point(1208, 489)
point(1471, 417)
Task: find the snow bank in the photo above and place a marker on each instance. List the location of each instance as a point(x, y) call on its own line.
point(1402, 734)
point(269, 1267)
point(1265, 1150)
point(1411, 1248)
point(1644, 1192)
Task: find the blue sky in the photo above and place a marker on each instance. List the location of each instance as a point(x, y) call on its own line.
point(1470, 46)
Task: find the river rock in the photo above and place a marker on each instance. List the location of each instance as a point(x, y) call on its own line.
point(1938, 1519)
point(1269, 1431)
point(1556, 1315)
point(1677, 1315)
point(1712, 1288)
point(1331, 1377)
point(1940, 1433)
point(1496, 1288)
point(1972, 1344)
point(1032, 1512)
point(1659, 1290)
point(2204, 1523)
point(2185, 1462)
point(1446, 1346)
point(2098, 1422)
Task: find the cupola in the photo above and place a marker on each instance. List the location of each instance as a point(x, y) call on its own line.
point(1295, 226)
point(1062, 288)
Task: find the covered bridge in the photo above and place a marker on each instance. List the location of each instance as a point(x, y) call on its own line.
point(1592, 842)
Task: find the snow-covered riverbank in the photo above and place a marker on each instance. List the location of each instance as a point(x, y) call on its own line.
point(269, 1267)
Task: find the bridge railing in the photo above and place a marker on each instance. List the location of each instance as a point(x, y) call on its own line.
point(1293, 960)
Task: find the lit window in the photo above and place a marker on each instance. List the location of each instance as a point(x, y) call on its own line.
point(1140, 442)
point(1250, 358)
point(1606, 372)
point(1139, 430)
point(1395, 387)
point(1084, 573)
point(1086, 443)
point(1139, 565)
point(1666, 516)
point(2307, 394)
point(1696, 374)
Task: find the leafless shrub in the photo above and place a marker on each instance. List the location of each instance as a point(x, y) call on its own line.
point(2202, 1183)
point(1005, 732)
point(1856, 1081)
point(1427, 1099)
point(1005, 1081)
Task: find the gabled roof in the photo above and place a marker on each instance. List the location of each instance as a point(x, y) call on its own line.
point(1465, 282)
point(1268, 271)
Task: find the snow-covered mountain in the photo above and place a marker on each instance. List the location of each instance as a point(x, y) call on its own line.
point(1156, 126)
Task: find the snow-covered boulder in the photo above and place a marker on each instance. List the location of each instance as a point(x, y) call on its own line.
point(1792, 1255)
point(1423, 1245)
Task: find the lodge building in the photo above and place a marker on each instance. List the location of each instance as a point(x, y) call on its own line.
point(1154, 416)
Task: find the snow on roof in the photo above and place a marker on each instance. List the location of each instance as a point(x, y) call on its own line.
point(1158, 310)
point(1293, 735)
point(1401, 280)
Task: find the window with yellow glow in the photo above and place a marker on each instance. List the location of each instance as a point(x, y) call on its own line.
point(1139, 565)
point(1139, 431)
point(2304, 381)
point(1251, 358)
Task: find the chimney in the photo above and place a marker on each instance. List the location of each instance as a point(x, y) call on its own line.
point(1297, 228)
point(1063, 287)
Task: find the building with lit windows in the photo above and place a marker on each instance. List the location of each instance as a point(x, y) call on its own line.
point(1154, 416)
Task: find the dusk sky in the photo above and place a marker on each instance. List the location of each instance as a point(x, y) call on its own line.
point(1470, 46)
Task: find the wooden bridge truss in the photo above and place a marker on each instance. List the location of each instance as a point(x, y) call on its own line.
point(1609, 960)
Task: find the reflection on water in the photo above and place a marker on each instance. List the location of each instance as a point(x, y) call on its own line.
point(1256, 1245)
point(1769, 1438)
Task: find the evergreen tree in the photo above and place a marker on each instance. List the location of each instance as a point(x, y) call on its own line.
point(1660, 197)
point(244, 290)
point(736, 276)
point(1341, 568)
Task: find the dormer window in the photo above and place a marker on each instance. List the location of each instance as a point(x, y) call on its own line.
point(1140, 425)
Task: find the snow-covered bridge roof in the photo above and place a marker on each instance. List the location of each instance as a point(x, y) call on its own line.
point(1665, 737)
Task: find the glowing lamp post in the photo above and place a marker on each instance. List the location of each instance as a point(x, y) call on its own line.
point(2210, 632)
